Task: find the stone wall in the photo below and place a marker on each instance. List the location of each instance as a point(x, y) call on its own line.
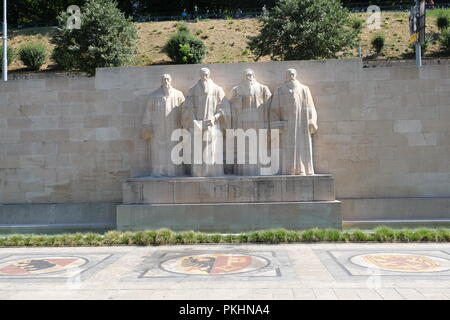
point(384, 133)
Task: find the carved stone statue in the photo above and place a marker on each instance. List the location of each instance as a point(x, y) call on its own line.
point(249, 102)
point(162, 116)
point(207, 111)
point(293, 112)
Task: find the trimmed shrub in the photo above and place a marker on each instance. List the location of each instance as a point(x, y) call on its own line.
point(304, 29)
point(185, 48)
point(357, 24)
point(105, 39)
point(445, 40)
point(378, 41)
point(442, 22)
point(33, 55)
point(181, 26)
point(10, 54)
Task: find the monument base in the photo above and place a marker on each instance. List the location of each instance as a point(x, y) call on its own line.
point(230, 217)
point(229, 203)
point(228, 189)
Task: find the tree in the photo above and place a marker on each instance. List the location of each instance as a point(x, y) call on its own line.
point(105, 39)
point(304, 29)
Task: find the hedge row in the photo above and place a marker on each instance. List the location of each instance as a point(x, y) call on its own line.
point(168, 237)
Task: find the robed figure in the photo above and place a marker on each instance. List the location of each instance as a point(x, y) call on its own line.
point(249, 107)
point(206, 114)
point(161, 117)
point(293, 112)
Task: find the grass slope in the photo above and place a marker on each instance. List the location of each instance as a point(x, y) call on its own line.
point(226, 39)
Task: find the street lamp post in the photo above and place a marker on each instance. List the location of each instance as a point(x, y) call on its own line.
point(5, 44)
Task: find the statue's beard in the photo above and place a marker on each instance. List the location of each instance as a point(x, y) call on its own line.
point(292, 83)
point(249, 86)
point(205, 83)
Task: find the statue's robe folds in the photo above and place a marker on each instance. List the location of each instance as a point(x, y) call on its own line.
point(293, 112)
point(206, 101)
point(162, 116)
point(249, 109)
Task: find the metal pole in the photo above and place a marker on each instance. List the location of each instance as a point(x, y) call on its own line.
point(5, 44)
point(418, 54)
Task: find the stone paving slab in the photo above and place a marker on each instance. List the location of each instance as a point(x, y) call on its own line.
point(236, 272)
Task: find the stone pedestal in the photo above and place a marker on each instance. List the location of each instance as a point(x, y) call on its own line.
point(229, 203)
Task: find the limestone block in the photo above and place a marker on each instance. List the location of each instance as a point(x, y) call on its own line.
point(32, 110)
point(95, 96)
point(405, 126)
point(19, 123)
point(298, 189)
point(32, 161)
point(84, 134)
point(392, 87)
point(400, 208)
point(228, 189)
point(350, 127)
point(107, 107)
point(9, 162)
point(71, 122)
point(82, 83)
point(56, 135)
point(57, 83)
point(434, 72)
point(107, 134)
point(9, 136)
point(49, 122)
point(379, 127)
point(125, 146)
point(69, 97)
point(404, 73)
point(17, 148)
point(422, 139)
point(369, 74)
point(97, 121)
point(230, 217)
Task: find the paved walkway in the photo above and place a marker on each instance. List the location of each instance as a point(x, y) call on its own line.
point(303, 271)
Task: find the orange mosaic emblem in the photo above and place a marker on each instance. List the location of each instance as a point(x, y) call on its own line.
point(214, 264)
point(403, 262)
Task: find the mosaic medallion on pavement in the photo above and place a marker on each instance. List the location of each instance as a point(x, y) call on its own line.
point(414, 263)
point(217, 264)
point(42, 266)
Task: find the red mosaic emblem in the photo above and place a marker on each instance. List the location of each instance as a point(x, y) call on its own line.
point(214, 264)
point(39, 265)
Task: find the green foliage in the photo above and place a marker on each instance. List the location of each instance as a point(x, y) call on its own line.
point(445, 40)
point(442, 22)
point(10, 54)
point(424, 45)
point(33, 55)
point(357, 24)
point(185, 48)
point(378, 41)
point(304, 29)
point(106, 38)
point(165, 237)
point(181, 26)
